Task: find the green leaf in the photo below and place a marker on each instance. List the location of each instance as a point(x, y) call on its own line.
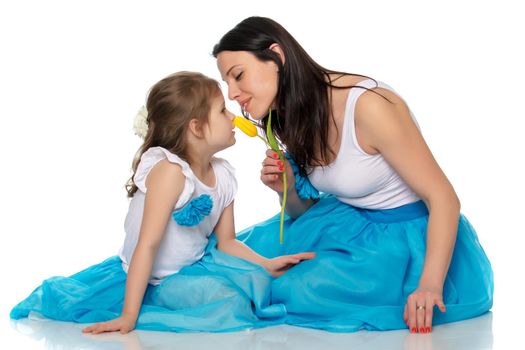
point(271, 138)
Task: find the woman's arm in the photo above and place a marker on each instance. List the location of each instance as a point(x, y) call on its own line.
point(271, 176)
point(164, 183)
point(227, 242)
point(387, 128)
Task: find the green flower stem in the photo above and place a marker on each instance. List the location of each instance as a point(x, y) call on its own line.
point(283, 203)
point(285, 189)
point(272, 142)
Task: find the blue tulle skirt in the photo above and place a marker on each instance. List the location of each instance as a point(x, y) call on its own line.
point(367, 264)
point(219, 293)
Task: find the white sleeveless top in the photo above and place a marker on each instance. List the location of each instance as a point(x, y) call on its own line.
point(181, 245)
point(356, 177)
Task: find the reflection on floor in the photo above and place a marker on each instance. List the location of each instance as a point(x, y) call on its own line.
point(470, 334)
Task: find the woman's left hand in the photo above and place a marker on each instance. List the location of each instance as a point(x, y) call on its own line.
point(420, 306)
point(279, 265)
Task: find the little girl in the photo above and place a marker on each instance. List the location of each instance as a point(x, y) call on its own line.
point(167, 276)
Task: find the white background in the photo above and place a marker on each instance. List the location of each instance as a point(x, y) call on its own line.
point(74, 73)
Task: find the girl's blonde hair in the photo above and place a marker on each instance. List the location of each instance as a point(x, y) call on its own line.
point(171, 104)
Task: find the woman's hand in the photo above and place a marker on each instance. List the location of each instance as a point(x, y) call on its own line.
point(279, 265)
point(420, 306)
point(272, 170)
point(124, 324)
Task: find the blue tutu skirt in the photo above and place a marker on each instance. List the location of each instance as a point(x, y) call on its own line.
point(368, 262)
point(219, 293)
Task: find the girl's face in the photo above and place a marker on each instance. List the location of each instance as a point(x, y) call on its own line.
point(219, 132)
point(251, 82)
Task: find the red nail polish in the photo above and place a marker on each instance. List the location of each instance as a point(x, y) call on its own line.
point(275, 155)
point(280, 168)
point(414, 329)
point(428, 329)
point(279, 163)
point(421, 330)
point(275, 176)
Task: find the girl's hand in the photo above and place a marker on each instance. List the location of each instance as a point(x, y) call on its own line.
point(123, 324)
point(272, 170)
point(279, 265)
point(419, 309)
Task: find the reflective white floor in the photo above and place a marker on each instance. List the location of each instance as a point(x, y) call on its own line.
point(476, 333)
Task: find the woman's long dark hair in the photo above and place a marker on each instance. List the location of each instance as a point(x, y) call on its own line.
point(303, 111)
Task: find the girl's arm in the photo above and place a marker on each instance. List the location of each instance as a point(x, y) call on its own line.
point(164, 183)
point(387, 128)
point(227, 242)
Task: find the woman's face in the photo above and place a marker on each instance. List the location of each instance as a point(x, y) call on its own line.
point(251, 82)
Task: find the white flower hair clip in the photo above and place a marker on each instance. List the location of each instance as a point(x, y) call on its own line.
point(140, 125)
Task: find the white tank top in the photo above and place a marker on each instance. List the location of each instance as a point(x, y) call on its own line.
point(356, 177)
point(181, 245)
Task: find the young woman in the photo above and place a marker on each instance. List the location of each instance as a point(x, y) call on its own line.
point(393, 249)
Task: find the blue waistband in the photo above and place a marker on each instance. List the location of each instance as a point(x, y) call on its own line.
point(403, 213)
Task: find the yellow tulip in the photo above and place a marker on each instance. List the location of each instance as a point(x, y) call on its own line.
point(245, 126)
